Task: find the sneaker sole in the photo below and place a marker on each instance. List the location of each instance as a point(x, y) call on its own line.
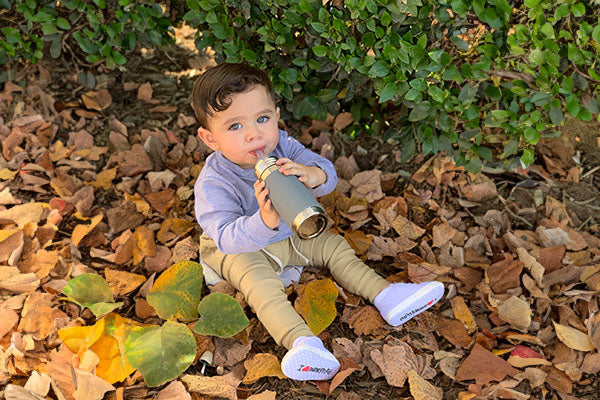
point(423, 299)
point(307, 364)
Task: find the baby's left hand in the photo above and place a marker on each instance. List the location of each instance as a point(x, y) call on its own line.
point(311, 177)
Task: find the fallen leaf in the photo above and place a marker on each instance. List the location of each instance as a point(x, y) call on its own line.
point(81, 230)
point(398, 359)
point(358, 241)
point(346, 348)
point(523, 356)
point(442, 233)
point(266, 395)
point(90, 386)
point(365, 320)
point(367, 184)
point(59, 369)
point(516, 312)
point(104, 179)
point(14, 282)
point(316, 304)
point(347, 367)
point(145, 92)
point(15, 392)
point(26, 213)
point(122, 282)
point(454, 331)
point(38, 384)
point(8, 321)
point(98, 101)
point(342, 120)
point(174, 391)
point(573, 338)
point(421, 389)
point(536, 269)
point(483, 366)
point(406, 228)
point(461, 312)
point(38, 317)
point(261, 365)
point(217, 386)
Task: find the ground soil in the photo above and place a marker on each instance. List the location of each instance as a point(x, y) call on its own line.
point(170, 72)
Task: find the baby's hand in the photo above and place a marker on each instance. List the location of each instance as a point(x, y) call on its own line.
point(311, 177)
point(268, 214)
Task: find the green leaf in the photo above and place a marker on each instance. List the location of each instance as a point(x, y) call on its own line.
point(177, 291)
point(511, 148)
point(319, 51)
point(527, 158)
point(63, 23)
point(379, 69)
point(161, 353)
point(596, 34)
point(316, 304)
point(556, 115)
point(388, 92)
point(578, 9)
point(532, 3)
point(418, 113)
point(118, 57)
point(309, 106)
point(55, 47)
point(220, 315)
point(531, 135)
point(289, 75)
point(474, 165)
point(91, 291)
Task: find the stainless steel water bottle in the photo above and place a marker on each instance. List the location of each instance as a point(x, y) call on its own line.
point(292, 200)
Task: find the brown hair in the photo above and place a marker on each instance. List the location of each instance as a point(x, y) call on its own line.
point(213, 89)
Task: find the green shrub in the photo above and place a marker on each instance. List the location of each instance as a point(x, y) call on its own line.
point(483, 80)
point(103, 30)
point(465, 77)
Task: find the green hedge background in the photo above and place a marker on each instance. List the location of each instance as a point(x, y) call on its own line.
point(482, 80)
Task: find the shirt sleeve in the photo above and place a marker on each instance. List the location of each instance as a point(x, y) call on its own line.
point(297, 152)
point(222, 219)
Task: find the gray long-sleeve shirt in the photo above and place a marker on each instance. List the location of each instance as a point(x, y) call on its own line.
point(227, 209)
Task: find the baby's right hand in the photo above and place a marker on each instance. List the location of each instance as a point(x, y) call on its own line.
point(268, 213)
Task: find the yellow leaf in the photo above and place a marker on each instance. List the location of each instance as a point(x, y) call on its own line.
point(421, 389)
point(123, 282)
point(573, 338)
point(6, 174)
point(316, 304)
point(104, 179)
point(58, 151)
point(141, 205)
point(177, 226)
point(79, 338)
point(462, 313)
point(24, 213)
point(6, 233)
point(81, 230)
point(261, 365)
point(145, 245)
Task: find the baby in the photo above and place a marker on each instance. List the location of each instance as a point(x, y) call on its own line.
point(245, 240)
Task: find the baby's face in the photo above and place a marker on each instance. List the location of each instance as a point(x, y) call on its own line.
point(247, 127)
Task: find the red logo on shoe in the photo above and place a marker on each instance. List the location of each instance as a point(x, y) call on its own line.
point(430, 303)
point(305, 369)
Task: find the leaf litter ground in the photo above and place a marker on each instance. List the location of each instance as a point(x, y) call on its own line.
point(518, 251)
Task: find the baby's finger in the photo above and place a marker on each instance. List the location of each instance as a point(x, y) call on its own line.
point(282, 161)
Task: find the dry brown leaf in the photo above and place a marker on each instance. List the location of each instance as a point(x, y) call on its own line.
point(573, 338)
point(266, 395)
point(346, 348)
point(536, 269)
point(59, 369)
point(397, 359)
point(516, 312)
point(9, 319)
point(26, 213)
point(454, 331)
point(122, 282)
point(15, 392)
point(38, 384)
point(483, 366)
point(365, 320)
point(104, 179)
point(342, 120)
point(424, 271)
point(145, 92)
point(90, 386)
point(231, 351)
point(421, 389)
point(462, 313)
point(406, 228)
point(217, 386)
point(82, 230)
point(261, 365)
point(14, 282)
point(38, 317)
point(347, 367)
point(442, 233)
point(174, 391)
point(358, 241)
point(346, 167)
point(367, 184)
point(98, 101)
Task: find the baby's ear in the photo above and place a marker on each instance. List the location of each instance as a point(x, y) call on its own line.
point(208, 138)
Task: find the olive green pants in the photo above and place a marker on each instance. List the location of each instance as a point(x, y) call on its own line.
point(255, 275)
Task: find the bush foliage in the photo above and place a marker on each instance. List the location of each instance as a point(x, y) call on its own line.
point(483, 80)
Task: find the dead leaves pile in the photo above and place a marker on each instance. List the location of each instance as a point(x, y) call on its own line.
point(520, 318)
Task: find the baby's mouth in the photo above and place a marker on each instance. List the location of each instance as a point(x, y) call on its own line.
point(258, 152)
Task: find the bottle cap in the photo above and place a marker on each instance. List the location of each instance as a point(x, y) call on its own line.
point(265, 166)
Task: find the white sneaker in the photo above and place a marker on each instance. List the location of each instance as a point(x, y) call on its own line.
point(399, 302)
point(309, 360)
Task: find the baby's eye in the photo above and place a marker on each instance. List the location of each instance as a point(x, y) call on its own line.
point(235, 127)
point(263, 119)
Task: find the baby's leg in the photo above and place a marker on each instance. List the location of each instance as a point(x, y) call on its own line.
point(332, 251)
point(254, 276)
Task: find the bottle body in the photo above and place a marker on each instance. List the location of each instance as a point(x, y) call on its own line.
point(292, 200)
